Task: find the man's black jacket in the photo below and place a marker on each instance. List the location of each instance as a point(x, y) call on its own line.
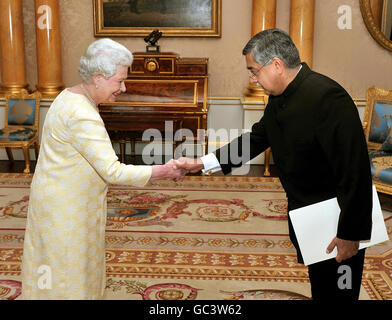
point(319, 150)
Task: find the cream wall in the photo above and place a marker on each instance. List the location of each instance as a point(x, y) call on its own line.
point(351, 57)
point(226, 65)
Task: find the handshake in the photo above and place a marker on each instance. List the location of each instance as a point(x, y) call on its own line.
point(176, 169)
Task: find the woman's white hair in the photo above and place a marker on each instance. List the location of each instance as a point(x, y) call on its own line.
point(103, 57)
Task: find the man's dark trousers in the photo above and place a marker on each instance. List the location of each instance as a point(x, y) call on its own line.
point(331, 280)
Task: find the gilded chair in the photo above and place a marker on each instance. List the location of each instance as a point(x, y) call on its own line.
point(21, 125)
point(377, 124)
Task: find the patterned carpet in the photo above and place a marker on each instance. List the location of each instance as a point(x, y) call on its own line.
point(205, 238)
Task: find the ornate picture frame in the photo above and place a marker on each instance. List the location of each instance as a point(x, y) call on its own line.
point(376, 33)
point(174, 18)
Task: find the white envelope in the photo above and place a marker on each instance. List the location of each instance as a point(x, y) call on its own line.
point(316, 225)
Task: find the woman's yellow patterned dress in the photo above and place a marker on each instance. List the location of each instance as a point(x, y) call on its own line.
point(64, 246)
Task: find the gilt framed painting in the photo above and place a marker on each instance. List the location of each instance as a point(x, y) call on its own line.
point(174, 18)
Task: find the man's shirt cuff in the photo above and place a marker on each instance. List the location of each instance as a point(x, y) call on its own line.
point(211, 164)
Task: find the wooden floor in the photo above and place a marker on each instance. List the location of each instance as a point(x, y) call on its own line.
point(15, 167)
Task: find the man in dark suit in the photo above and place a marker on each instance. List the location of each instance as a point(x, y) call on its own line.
point(316, 137)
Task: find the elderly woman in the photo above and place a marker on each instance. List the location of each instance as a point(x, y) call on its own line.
point(64, 246)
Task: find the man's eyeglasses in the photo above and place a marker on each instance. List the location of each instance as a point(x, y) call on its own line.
point(253, 74)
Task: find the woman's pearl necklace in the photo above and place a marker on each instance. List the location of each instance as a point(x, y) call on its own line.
point(87, 94)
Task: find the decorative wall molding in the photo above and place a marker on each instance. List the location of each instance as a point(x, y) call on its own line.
point(211, 101)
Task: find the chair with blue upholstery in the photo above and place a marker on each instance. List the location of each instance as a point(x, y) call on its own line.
point(378, 131)
point(21, 125)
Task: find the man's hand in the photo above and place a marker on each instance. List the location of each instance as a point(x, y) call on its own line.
point(346, 248)
point(167, 170)
point(189, 164)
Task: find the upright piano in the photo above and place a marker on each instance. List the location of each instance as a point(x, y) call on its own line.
point(163, 92)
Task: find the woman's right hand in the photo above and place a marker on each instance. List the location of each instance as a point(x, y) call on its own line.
point(167, 171)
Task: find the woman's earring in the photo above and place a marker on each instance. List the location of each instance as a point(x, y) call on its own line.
point(96, 86)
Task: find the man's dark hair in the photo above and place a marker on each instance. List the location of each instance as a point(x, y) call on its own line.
point(272, 43)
